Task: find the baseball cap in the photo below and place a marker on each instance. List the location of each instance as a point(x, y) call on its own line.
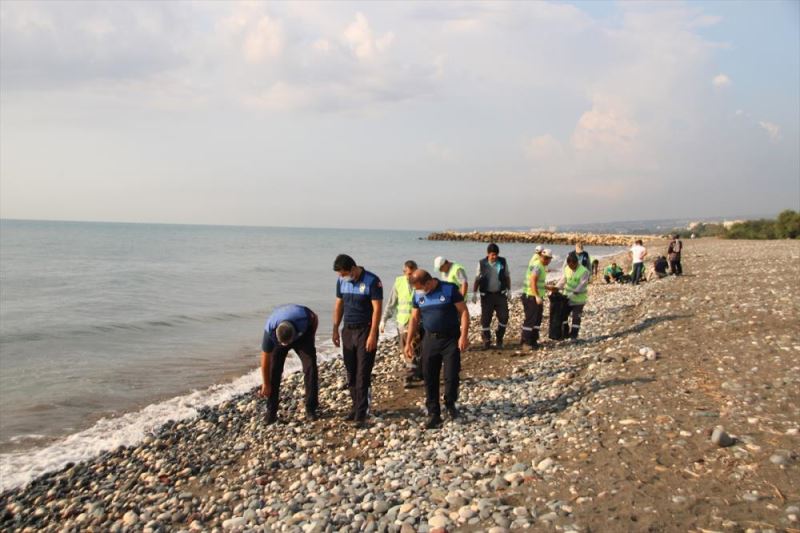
point(547, 253)
point(538, 249)
point(438, 262)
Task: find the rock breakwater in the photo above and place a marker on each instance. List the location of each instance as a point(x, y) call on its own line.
point(539, 237)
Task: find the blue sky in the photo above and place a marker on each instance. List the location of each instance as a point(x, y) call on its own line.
point(406, 115)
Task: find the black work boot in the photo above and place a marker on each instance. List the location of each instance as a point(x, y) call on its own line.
point(433, 422)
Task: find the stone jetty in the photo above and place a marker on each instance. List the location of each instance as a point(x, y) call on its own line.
point(539, 237)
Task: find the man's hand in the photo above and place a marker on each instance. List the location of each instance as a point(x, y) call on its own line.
point(463, 342)
point(538, 299)
point(474, 297)
point(408, 351)
point(372, 343)
point(383, 327)
point(335, 338)
point(264, 391)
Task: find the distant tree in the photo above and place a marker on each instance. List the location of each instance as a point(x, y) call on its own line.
point(788, 224)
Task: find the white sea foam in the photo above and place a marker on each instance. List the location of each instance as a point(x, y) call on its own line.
point(18, 468)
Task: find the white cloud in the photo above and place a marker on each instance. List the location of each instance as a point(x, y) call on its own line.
point(265, 40)
point(543, 147)
point(721, 81)
point(772, 129)
point(441, 152)
point(362, 41)
point(605, 130)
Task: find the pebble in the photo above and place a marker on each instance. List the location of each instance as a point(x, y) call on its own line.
point(721, 438)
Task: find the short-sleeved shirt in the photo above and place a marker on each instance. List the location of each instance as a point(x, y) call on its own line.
point(298, 315)
point(357, 297)
point(438, 308)
point(638, 252)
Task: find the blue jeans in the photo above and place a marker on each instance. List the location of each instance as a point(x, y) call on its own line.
point(638, 268)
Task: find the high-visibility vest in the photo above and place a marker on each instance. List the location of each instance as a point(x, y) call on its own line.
point(535, 266)
point(452, 274)
point(405, 293)
point(573, 279)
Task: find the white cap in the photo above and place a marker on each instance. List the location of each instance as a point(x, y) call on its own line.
point(547, 253)
point(538, 249)
point(438, 262)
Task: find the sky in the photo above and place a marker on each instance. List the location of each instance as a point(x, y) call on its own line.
point(403, 115)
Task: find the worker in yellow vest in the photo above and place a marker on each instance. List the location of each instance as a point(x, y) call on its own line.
point(533, 294)
point(575, 284)
point(454, 273)
point(399, 306)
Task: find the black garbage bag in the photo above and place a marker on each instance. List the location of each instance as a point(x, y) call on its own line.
point(559, 314)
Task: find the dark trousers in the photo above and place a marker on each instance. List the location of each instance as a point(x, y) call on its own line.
point(307, 352)
point(576, 311)
point(438, 352)
point(358, 362)
point(533, 320)
point(675, 266)
point(638, 269)
point(491, 303)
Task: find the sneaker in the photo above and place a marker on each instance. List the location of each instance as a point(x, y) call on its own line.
point(499, 345)
point(272, 418)
point(433, 422)
point(312, 415)
point(349, 417)
point(360, 423)
point(487, 345)
point(452, 412)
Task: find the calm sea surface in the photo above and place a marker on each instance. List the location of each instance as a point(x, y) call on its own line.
point(108, 330)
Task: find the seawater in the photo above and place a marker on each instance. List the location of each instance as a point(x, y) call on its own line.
point(108, 330)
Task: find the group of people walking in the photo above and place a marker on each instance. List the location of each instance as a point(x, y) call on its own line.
point(433, 326)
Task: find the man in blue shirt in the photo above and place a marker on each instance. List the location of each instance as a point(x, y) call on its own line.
point(359, 299)
point(289, 327)
point(440, 307)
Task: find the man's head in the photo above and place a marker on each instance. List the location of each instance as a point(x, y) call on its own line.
point(538, 250)
point(441, 264)
point(421, 280)
point(408, 268)
point(572, 260)
point(285, 333)
point(613, 264)
point(492, 251)
point(639, 242)
point(344, 265)
point(676, 236)
point(578, 247)
point(547, 256)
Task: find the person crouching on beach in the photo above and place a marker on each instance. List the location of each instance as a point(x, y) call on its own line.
point(613, 273)
point(359, 298)
point(494, 283)
point(289, 327)
point(575, 283)
point(399, 306)
point(533, 293)
point(439, 306)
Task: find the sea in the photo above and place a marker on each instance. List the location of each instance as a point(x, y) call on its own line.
point(108, 330)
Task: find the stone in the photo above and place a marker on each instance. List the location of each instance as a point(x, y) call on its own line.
point(721, 438)
point(130, 518)
point(438, 521)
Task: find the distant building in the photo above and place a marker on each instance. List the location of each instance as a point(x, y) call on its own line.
point(728, 223)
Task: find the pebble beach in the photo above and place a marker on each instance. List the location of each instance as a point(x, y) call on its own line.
point(678, 411)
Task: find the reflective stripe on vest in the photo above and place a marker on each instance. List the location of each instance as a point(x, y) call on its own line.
point(533, 266)
point(573, 279)
point(404, 296)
